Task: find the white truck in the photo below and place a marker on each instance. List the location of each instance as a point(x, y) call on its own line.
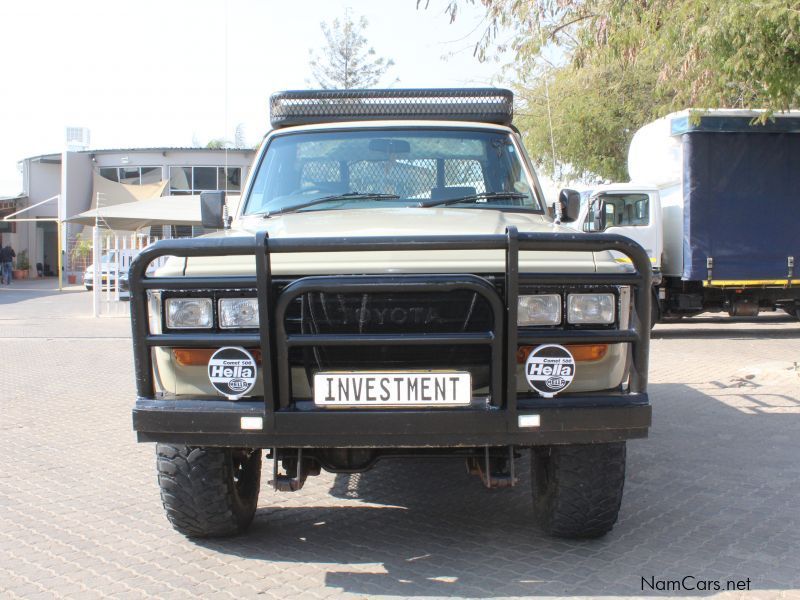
point(715, 201)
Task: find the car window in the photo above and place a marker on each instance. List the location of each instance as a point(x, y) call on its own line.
point(618, 210)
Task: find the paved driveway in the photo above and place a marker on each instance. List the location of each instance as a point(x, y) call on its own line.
point(713, 494)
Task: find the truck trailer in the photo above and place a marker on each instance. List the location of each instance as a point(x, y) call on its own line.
point(714, 198)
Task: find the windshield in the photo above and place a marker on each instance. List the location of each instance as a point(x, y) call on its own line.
point(368, 168)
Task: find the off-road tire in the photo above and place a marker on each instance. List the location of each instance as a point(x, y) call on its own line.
point(208, 492)
point(577, 489)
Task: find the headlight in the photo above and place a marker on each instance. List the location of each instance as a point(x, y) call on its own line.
point(238, 313)
point(590, 308)
point(541, 309)
point(189, 313)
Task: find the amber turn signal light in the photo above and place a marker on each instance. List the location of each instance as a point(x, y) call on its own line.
point(199, 357)
point(580, 352)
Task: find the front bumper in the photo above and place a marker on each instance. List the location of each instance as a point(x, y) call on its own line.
point(578, 420)
point(278, 420)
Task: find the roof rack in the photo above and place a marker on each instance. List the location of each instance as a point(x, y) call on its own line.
point(484, 105)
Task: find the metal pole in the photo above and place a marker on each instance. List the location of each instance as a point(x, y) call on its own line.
point(107, 289)
point(117, 267)
point(59, 225)
point(96, 255)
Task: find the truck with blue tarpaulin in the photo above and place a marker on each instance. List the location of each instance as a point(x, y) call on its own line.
point(715, 199)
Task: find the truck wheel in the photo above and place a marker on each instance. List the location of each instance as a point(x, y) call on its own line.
point(655, 309)
point(208, 492)
point(655, 314)
point(577, 489)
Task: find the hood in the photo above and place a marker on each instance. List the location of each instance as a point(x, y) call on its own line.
point(410, 221)
point(405, 221)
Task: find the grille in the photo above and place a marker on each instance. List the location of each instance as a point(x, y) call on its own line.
point(449, 312)
point(489, 105)
point(382, 313)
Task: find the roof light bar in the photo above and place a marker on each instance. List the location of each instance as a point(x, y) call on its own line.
point(484, 105)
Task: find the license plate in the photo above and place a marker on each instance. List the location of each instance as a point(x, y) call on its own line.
point(427, 388)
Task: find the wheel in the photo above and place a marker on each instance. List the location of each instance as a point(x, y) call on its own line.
point(88, 288)
point(208, 492)
point(793, 311)
point(577, 489)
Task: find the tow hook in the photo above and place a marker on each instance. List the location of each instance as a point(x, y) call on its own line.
point(296, 470)
point(495, 471)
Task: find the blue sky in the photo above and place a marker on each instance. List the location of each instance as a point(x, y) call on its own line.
point(153, 73)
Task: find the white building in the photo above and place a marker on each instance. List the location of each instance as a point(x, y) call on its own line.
point(75, 178)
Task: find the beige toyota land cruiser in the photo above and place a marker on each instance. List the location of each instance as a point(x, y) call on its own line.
point(391, 285)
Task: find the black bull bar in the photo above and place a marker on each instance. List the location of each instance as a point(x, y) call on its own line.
point(567, 418)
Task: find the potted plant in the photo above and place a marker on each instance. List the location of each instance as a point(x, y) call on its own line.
point(23, 265)
point(81, 254)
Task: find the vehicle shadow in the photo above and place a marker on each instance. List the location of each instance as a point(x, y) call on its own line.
point(767, 328)
point(711, 497)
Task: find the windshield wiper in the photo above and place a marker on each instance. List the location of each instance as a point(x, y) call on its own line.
point(474, 198)
point(347, 196)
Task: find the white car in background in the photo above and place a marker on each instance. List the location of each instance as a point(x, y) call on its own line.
point(108, 269)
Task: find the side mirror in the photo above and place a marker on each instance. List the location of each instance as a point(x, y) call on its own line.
point(212, 210)
point(570, 202)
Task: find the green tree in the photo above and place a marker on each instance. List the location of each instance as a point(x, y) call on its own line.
point(81, 253)
point(217, 144)
point(610, 66)
point(347, 61)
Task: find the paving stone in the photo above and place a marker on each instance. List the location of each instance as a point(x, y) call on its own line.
point(712, 493)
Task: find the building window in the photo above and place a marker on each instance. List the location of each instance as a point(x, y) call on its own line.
point(204, 178)
point(193, 180)
point(132, 175)
point(129, 176)
point(150, 175)
point(231, 178)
